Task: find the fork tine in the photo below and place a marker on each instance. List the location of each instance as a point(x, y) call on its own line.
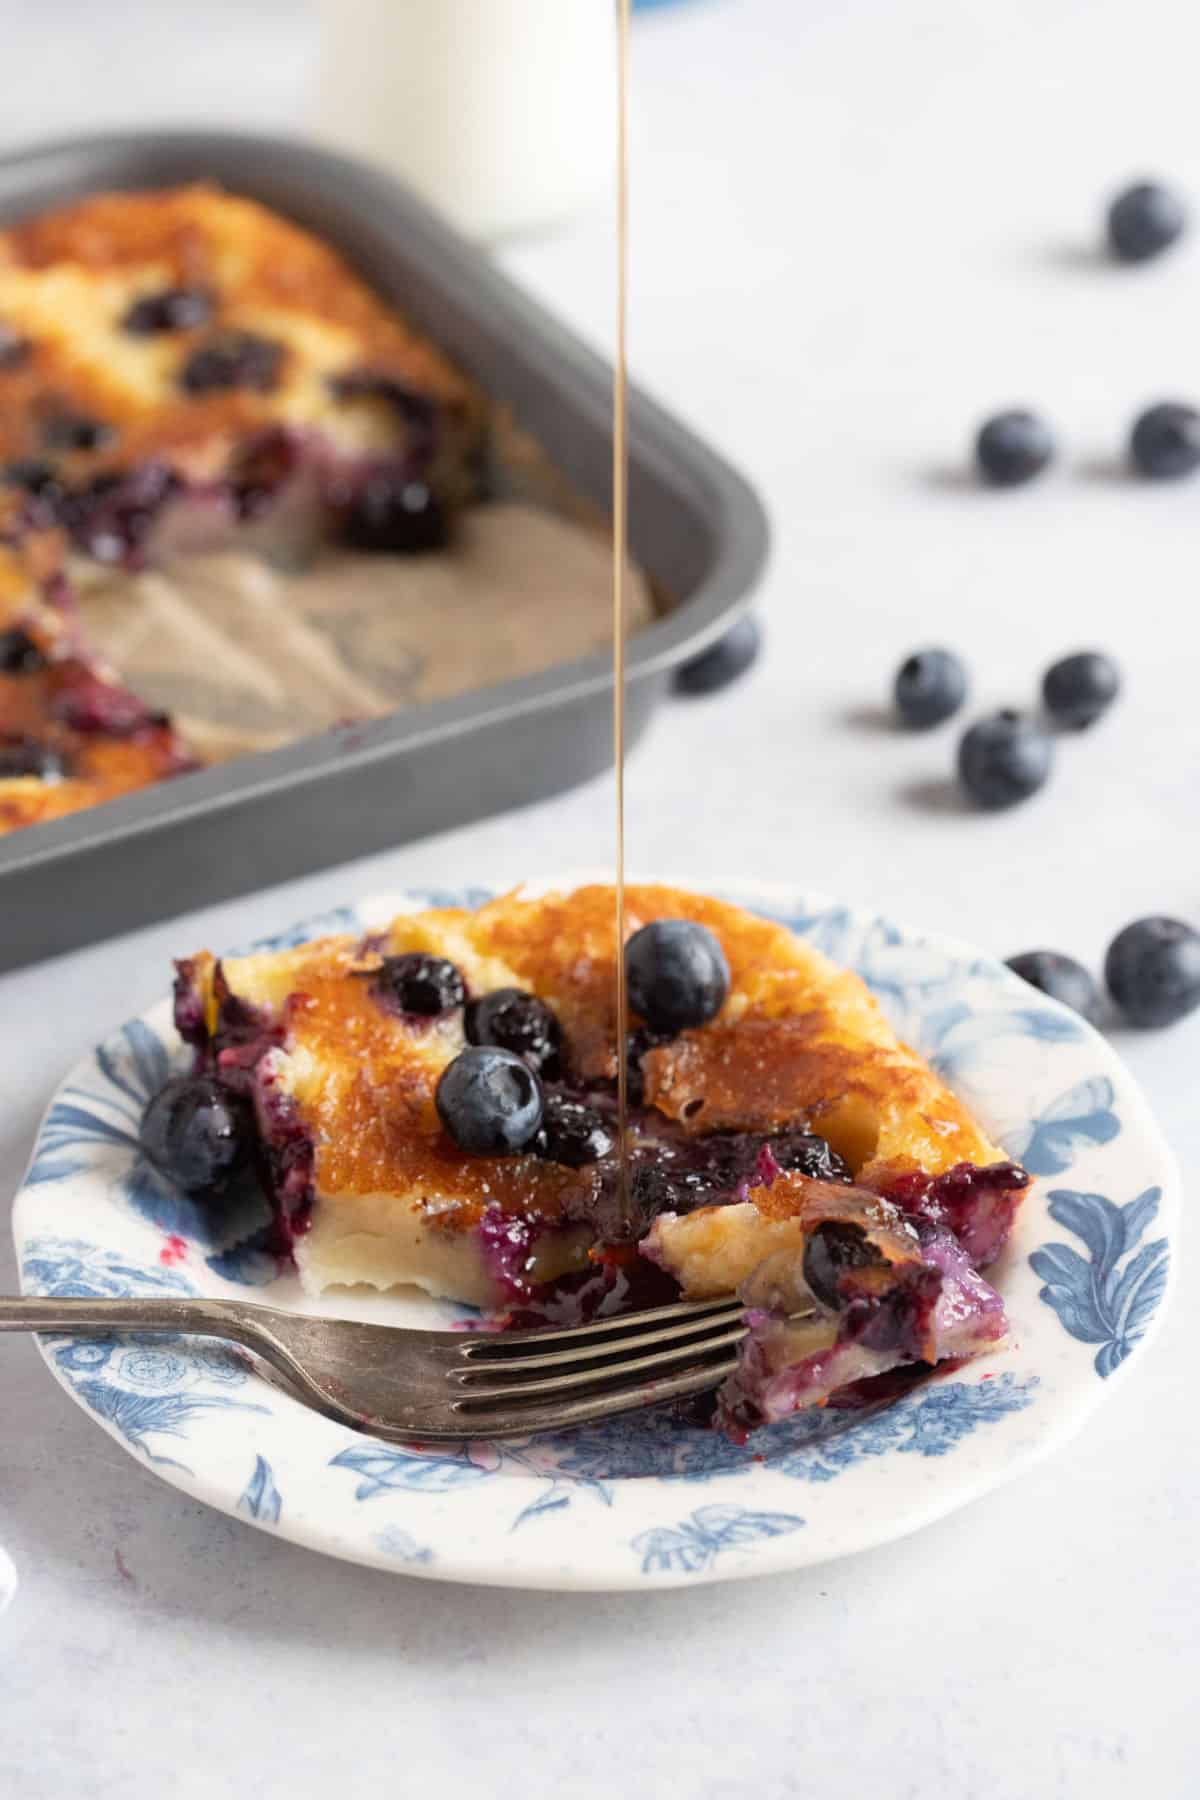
point(608, 1353)
point(510, 1346)
point(617, 1368)
point(560, 1415)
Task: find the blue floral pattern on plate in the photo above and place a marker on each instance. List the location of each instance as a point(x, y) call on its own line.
point(1110, 1298)
point(601, 1506)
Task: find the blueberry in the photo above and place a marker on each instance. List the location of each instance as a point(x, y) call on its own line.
point(1078, 689)
point(513, 1020)
point(233, 359)
point(35, 476)
point(416, 410)
point(392, 512)
point(14, 349)
point(1143, 221)
point(489, 1101)
point(804, 1153)
point(1153, 971)
point(676, 973)
point(1012, 448)
point(171, 309)
point(572, 1133)
point(731, 1157)
point(76, 431)
point(930, 686)
point(112, 516)
point(25, 757)
point(1060, 978)
point(1165, 442)
point(420, 984)
point(831, 1249)
point(1004, 758)
point(19, 654)
point(196, 1133)
point(261, 469)
point(723, 661)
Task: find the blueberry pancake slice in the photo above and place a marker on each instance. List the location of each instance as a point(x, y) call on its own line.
point(435, 1104)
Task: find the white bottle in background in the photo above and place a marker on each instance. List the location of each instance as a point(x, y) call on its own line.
point(499, 112)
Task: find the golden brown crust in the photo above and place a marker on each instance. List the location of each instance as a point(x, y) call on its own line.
point(798, 1041)
point(68, 278)
point(67, 281)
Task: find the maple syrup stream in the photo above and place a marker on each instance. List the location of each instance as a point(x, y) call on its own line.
point(620, 486)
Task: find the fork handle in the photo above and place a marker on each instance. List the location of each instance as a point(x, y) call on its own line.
point(204, 1317)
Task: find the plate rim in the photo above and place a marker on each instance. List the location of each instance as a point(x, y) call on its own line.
point(477, 1560)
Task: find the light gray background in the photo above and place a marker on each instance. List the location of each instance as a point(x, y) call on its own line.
point(858, 226)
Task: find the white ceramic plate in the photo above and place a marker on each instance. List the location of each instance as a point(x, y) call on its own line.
point(642, 1502)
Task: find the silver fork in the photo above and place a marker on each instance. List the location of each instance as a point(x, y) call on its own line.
point(440, 1385)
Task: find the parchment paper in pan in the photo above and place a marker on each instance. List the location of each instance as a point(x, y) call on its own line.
point(248, 657)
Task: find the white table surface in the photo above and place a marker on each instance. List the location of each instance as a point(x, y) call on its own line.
point(858, 227)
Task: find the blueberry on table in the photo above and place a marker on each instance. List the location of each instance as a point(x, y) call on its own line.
point(490, 1101)
point(420, 984)
point(196, 1133)
point(723, 661)
point(676, 973)
point(1012, 448)
point(1003, 759)
point(1153, 971)
point(1078, 689)
point(511, 1019)
point(572, 1133)
point(1060, 978)
point(930, 686)
point(1144, 220)
point(1165, 442)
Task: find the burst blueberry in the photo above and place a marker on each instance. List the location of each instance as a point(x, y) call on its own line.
point(25, 758)
point(196, 1133)
point(391, 512)
point(832, 1249)
point(677, 974)
point(489, 1101)
point(76, 431)
point(1004, 759)
point(1165, 442)
point(572, 1133)
point(1013, 447)
point(233, 359)
point(1144, 220)
point(170, 309)
point(1153, 970)
point(511, 1019)
point(1060, 978)
point(930, 686)
point(419, 984)
point(19, 653)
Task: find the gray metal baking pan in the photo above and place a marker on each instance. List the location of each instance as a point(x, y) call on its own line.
point(696, 528)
